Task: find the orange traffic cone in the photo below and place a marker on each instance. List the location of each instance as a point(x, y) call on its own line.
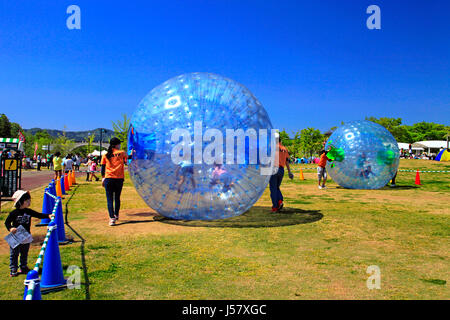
point(301, 174)
point(66, 182)
point(73, 178)
point(69, 178)
point(418, 178)
point(58, 188)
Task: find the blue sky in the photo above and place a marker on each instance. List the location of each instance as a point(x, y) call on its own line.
point(310, 63)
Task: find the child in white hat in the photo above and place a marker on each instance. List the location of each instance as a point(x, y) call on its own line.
point(21, 216)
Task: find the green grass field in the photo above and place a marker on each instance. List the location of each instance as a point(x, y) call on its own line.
point(318, 248)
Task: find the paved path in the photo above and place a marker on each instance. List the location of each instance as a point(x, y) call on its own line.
point(35, 179)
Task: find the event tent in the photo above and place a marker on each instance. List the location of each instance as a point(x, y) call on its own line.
point(431, 144)
point(405, 146)
point(96, 153)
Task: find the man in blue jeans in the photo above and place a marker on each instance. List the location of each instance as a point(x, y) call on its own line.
point(277, 178)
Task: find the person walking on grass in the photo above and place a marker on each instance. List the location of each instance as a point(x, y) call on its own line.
point(21, 216)
point(113, 174)
point(321, 169)
point(276, 179)
point(57, 165)
point(93, 169)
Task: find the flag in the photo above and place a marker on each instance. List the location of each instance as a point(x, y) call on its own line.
point(35, 149)
point(21, 137)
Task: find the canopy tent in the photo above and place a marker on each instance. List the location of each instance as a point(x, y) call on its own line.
point(431, 144)
point(96, 153)
point(405, 146)
point(443, 155)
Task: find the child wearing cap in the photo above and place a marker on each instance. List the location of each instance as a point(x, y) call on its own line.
point(21, 216)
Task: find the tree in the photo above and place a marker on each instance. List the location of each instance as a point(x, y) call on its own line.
point(43, 138)
point(121, 130)
point(296, 149)
point(15, 129)
point(5, 127)
point(29, 144)
point(284, 138)
point(428, 131)
point(89, 139)
point(63, 144)
point(400, 132)
point(311, 141)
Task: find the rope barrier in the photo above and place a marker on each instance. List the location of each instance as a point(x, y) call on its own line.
point(44, 246)
point(49, 194)
point(400, 170)
point(424, 171)
point(32, 283)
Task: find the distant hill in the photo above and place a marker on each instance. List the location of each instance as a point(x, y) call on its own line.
point(77, 136)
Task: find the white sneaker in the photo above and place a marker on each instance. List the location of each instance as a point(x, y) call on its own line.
point(112, 222)
point(320, 187)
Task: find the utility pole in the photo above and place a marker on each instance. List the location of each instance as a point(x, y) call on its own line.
point(101, 138)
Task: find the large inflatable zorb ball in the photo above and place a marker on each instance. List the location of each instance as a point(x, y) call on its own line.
point(365, 154)
point(191, 157)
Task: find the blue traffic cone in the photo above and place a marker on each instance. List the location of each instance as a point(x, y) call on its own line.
point(59, 220)
point(53, 188)
point(52, 271)
point(63, 189)
point(33, 275)
point(46, 208)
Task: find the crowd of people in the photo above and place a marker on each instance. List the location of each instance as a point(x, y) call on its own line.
point(112, 172)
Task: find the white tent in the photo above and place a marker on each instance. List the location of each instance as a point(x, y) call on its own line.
point(96, 153)
point(431, 144)
point(405, 146)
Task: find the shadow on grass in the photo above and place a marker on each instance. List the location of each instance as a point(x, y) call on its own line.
point(397, 187)
point(256, 217)
point(133, 222)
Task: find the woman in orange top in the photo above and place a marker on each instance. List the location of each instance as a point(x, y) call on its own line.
point(113, 174)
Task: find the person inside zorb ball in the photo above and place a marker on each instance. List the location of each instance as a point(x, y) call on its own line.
point(364, 155)
point(201, 148)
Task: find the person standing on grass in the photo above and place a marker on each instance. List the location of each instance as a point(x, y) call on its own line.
point(93, 169)
point(68, 163)
point(57, 165)
point(321, 169)
point(277, 178)
point(21, 216)
point(113, 174)
point(38, 162)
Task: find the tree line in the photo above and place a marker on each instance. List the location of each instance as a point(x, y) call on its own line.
point(309, 141)
point(60, 140)
point(306, 142)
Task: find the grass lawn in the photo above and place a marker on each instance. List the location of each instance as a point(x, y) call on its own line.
point(318, 248)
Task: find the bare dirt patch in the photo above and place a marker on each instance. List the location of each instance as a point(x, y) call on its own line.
point(131, 222)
